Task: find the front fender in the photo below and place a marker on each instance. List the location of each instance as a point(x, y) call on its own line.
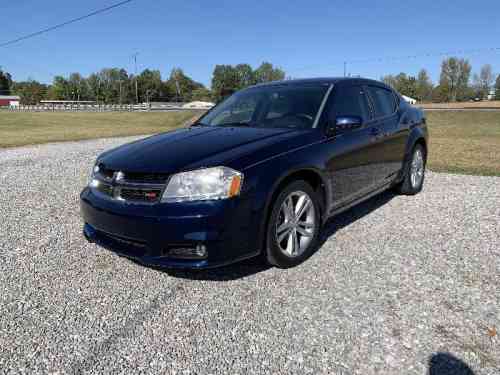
point(267, 177)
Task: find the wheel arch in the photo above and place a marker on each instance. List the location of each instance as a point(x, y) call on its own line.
point(417, 136)
point(311, 175)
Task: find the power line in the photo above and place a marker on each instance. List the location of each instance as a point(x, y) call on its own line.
point(406, 57)
point(58, 26)
point(427, 54)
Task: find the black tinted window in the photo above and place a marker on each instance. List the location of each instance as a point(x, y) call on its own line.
point(350, 101)
point(384, 102)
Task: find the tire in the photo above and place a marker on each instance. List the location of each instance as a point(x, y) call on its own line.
point(412, 184)
point(289, 241)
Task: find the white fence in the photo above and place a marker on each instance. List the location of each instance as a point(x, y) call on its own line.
point(95, 108)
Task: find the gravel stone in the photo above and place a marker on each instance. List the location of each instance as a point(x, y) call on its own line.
point(397, 283)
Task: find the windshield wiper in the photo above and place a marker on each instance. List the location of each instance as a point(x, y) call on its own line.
point(231, 124)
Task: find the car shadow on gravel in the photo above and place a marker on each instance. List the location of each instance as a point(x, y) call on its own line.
point(447, 364)
point(353, 214)
point(255, 265)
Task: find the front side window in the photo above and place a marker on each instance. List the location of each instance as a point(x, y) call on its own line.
point(350, 101)
point(274, 106)
point(384, 102)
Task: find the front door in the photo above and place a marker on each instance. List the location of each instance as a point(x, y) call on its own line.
point(353, 153)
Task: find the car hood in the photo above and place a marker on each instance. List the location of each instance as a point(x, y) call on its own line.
point(191, 148)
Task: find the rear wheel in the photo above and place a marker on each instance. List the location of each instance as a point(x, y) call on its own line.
point(293, 226)
point(414, 173)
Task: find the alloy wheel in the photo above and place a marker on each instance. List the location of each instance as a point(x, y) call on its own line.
point(417, 169)
point(296, 224)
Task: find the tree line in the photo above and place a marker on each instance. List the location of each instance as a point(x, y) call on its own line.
point(117, 86)
point(456, 83)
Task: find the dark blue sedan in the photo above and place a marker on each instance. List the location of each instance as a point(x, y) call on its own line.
point(257, 175)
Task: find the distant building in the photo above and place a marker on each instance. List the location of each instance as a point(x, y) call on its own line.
point(198, 105)
point(9, 101)
point(491, 95)
point(409, 100)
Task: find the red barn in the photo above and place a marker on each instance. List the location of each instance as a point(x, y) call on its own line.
point(9, 101)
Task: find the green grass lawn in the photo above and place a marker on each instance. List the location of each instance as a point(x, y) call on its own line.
point(27, 128)
point(460, 142)
point(464, 142)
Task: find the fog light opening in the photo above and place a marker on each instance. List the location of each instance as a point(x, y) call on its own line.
point(198, 252)
point(201, 250)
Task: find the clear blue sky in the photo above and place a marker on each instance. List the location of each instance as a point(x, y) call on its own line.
point(306, 38)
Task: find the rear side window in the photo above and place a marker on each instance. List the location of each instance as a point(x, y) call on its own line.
point(384, 101)
point(350, 101)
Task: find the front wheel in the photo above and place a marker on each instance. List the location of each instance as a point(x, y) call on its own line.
point(414, 173)
point(293, 226)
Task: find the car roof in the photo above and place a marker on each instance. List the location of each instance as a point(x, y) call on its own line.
point(321, 81)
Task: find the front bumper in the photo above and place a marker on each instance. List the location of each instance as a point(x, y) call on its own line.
point(148, 233)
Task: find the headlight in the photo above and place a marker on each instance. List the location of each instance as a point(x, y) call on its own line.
point(203, 184)
point(93, 172)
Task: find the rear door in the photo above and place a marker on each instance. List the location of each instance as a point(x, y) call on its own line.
point(352, 152)
point(390, 137)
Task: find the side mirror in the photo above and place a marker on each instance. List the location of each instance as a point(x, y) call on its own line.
point(343, 124)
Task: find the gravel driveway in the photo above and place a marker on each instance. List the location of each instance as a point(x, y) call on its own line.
point(401, 285)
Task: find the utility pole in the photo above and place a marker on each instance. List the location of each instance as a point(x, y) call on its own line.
point(136, 87)
point(345, 68)
point(98, 90)
point(177, 89)
point(120, 82)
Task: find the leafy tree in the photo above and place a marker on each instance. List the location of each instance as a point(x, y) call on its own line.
point(497, 88)
point(483, 82)
point(60, 89)
point(390, 80)
point(455, 76)
point(424, 86)
point(201, 94)
point(224, 81)
point(77, 87)
point(245, 76)
point(440, 94)
point(486, 76)
point(405, 85)
point(478, 90)
point(266, 72)
point(149, 85)
point(227, 79)
point(31, 92)
point(181, 85)
point(111, 86)
point(5, 83)
point(94, 87)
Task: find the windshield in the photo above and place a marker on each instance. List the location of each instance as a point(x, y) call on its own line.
point(278, 106)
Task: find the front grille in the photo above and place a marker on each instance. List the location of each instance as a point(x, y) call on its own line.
point(131, 187)
point(153, 178)
point(105, 188)
point(135, 177)
point(140, 195)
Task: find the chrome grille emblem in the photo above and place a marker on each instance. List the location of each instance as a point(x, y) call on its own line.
point(118, 176)
point(116, 191)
